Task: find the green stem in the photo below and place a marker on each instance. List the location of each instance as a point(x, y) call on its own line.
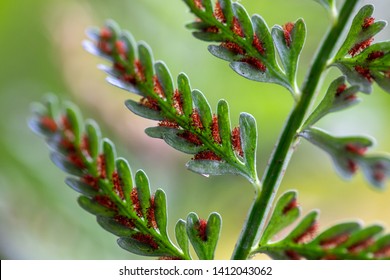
point(288, 140)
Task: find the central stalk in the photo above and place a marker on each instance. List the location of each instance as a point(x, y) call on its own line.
point(280, 158)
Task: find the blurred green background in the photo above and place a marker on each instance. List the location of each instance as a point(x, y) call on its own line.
point(40, 43)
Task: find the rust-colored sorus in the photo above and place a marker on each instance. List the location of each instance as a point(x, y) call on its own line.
point(48, 123)
point(139, 70)
point(129, 78)
point(236, 141)
point(178, 102)
point(118, 66)
point(233, 47)
point(359, 47)
point(196, 121)
point(287, 29)
point(379, 172)
point(347, 97)
point(103, 44)
point(105, 33)
point(76, 160)
point(191, 137)
point(101, 166)
point(368, 21)
point(66, 145)
point(105, 47)
point(360, 246)
point(211, 29)
point(150, 216)
point(365, 72)
point(168, 123)
point(292, 255)
point(121, 48)
point(67, 128)
point(258, 44)
point(146, 239)
point(117, 184)
point(255, 63)
point(352, 166)
point(218, 12)
point(334, 241)
point(105, 201)
point(308, 235)
point(329, 257)
point(85, 145)
point(236, 27)
point(291, 205)
point(340, 89)
point(66, 123)
point(157, 87)
point(379, 175)
point(202, 229)
point(135, 202)
point(198, 4)
point(375, 55)
point(355, 149)
point(215, 130)
point(207, 155)
point(125, 221)
point(150, 103)
point(350, 97)
point(383, 252)
point(90, 181)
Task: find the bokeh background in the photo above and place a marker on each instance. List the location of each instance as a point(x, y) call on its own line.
point(40, 52)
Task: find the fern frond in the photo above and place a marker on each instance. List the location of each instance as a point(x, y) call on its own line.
point(348, 240)
point(247, 43)
point(122, 203)
point(348, 153)
point(363, 63)
point(186, 121)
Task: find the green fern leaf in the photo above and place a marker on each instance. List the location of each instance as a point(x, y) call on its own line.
point(360, 61)
point(246, 42)
point(348, 240)
point(349, 154)
point(186, 120)
point(123, 204)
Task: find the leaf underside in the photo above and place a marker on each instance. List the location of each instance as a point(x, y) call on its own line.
point(347, 240)
point(185, 119)
point(122, 202)
point(248, 44)
point(362, 62)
